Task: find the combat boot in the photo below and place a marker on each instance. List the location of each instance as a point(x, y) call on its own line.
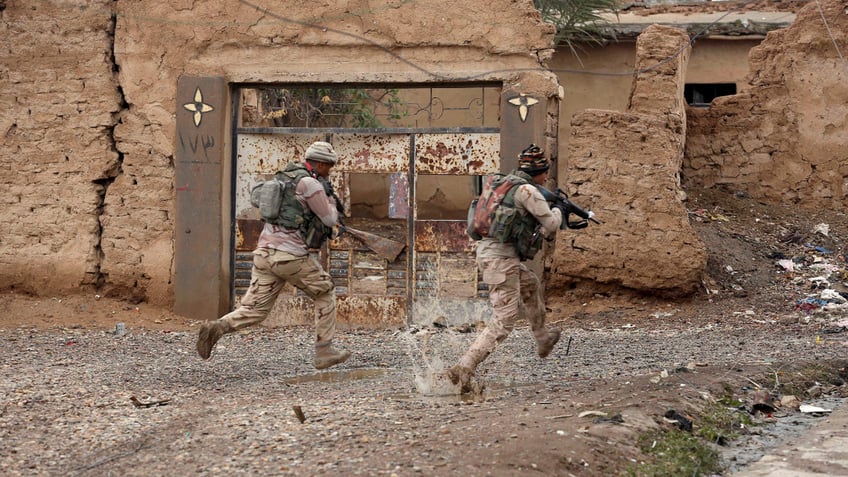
point(546, 344)
point(210, 333)
point(461, 375)
point(326, 355)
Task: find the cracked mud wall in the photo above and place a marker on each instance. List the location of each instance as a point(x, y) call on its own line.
point(57, 111)
point(783, 140)
point(87, 116)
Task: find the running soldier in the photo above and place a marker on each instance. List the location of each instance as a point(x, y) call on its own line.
point(510, 231)
point(307, 216)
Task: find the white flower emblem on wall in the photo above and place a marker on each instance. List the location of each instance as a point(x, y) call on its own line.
point(523, 102)
point(198, 107)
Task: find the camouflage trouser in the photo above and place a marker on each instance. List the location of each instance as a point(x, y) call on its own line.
point(271, 270)
point(515, 292)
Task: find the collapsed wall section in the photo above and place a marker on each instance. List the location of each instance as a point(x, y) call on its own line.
point(58, 156)
point(625, 166)
point(783, 139)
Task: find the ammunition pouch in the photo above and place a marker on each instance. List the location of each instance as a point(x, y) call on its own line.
point(315, 233)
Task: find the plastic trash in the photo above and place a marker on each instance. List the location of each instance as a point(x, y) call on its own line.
point(832, 296)
point(787, 265)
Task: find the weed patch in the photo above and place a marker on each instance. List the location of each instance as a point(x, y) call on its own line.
point(675, 452)
point(720, 424)
point(671, 451)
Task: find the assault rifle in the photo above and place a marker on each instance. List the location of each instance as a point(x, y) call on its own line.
point(331, 192)
point(560, 201)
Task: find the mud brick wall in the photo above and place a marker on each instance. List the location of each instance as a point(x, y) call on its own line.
point(625, 167)
point(783, 139)
point(58, 157)
point(88, 105)
point(87, 114)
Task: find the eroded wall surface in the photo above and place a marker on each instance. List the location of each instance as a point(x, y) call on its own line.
point(625, 167)
point(87, 124)
point(783, 139)
point(87, 113)
point(58, 159)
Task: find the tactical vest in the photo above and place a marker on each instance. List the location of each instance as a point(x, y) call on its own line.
point(500, 219)
point(293, 215)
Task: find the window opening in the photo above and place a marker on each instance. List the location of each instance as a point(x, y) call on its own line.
point(702, 94)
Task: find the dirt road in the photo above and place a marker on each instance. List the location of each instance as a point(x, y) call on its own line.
point(77, 399)
point(84, 401)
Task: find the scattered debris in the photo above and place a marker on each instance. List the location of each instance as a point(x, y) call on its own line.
point(789, 401)
point(787, 265)
point(299, 413)
point(808, 409)
point(763, 402)
point(684, 423)
point(137, 403)
point(614, 419)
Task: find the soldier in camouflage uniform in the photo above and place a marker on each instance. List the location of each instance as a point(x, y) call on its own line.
point(514, 290)
point(308, 215)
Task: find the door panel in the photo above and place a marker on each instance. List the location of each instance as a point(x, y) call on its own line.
point(408, 180)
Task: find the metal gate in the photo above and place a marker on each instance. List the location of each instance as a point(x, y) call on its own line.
point(436, 275)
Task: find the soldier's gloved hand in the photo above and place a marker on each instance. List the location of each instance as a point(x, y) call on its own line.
point(338, 230)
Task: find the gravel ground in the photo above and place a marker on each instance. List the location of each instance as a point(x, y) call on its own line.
point(67, 406)
point(67, 385)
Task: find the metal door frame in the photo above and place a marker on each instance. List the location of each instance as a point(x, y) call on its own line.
point(328, 133)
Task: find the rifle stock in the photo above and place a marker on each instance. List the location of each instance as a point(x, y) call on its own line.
point(383, 247)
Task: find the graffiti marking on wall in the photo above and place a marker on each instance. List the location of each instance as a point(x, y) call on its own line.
point(195, 143)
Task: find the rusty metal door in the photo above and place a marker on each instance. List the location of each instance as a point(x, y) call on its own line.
point(436, 275)
point(446, 283)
